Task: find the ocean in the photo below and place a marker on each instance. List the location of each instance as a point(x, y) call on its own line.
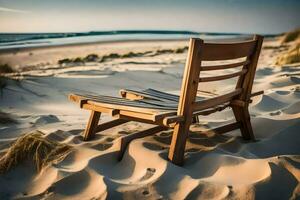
point(25, 40)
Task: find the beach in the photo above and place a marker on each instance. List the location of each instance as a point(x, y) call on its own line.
point(35, 98)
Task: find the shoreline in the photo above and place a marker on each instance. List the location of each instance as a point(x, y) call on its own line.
point(21, 49)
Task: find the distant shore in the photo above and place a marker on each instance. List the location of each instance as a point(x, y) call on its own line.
point(11, 42)
point(20, 49)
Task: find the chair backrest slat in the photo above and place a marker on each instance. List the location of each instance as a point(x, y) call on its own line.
point(225, 66)
point(223, 77)
point(225, 51)
point(215, 101)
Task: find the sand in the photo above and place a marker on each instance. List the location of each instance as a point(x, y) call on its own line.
point(216, 167)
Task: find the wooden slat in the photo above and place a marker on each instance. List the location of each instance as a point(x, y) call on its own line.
point(223, 77)
point(143, 103)
point(163, 95)
point(137, 119)
point(201, 105)
point(224, 129)
point(226, 51)
point(152, 94)
point(96, 108)
point(238, 103)
point(136, 95)
point(129, 105)
point(172, 119)
point(257, 93)
point(161, 98)
point(211, 110)
point(146, 118)
point(162, 104)
point(226, 66)
point(140, 115)
point(109, 124)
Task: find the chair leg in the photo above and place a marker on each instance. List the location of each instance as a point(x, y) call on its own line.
point(196, 119)
point(180, 134)
point(242, 115)
point(91, 125)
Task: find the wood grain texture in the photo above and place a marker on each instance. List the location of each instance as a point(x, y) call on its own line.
point(226, 51)
point(223, 77)
point(89, 132)
point(187, 97)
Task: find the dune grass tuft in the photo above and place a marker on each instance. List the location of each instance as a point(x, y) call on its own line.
point(292, 56)
point(64, 61)
point(291, 36)
point(111, 56)
point(91, 58)
point(35, 148)
point(6, 68)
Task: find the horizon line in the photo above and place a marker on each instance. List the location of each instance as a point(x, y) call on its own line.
point(141, 31)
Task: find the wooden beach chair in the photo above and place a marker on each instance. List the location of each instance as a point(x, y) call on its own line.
point(177, 112)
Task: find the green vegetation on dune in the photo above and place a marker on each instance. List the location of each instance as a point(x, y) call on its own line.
point(78, 60)
point(181, 50)
point(65, 61)
point(132, 54)
point(104, 58)
point(91, 58)
point(110, 56)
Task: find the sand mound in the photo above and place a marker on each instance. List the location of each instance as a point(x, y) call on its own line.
point(6, 118)
point(293, 109)
point(269, 104)
point(46, 119)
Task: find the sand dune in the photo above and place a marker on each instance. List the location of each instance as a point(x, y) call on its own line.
point(216, 167)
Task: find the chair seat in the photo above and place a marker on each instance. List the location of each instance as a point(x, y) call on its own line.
point(116, 106)
point(152, 108)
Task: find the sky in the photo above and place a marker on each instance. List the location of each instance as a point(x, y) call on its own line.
point(238, 16)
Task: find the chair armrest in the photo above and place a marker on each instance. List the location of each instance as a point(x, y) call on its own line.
point(257, 93)
point(241, 103)
point(172, 120)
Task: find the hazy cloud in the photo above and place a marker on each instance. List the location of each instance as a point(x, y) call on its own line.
point(2, 9)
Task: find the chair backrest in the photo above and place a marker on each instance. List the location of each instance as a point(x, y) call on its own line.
point(243, 56)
